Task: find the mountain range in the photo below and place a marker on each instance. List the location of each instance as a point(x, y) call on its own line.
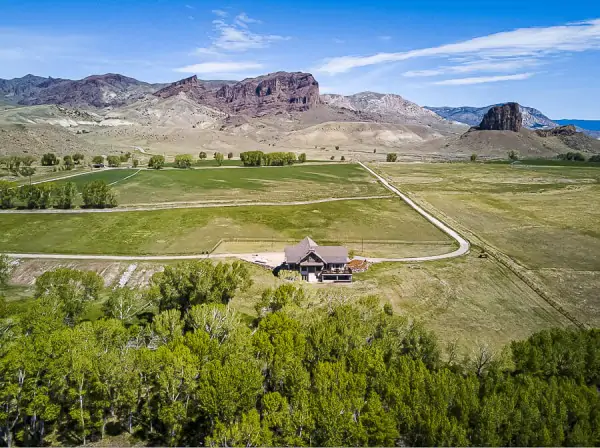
point(278, 109)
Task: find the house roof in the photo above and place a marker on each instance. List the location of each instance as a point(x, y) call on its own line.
point(329, 254)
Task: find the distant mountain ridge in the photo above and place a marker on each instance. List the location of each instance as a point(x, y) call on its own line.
point(532, 118)
point(388, 106)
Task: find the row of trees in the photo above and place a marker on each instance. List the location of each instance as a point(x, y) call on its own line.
point(96, 194)
point(50, 159)
point(175, 364)
point(258, 158)
point(578, 157)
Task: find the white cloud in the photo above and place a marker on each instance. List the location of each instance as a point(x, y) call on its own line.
point(384, 38)
point(189, 7)
point(338, 41)
point(236, 37)
point(523, 42)
point(243, 20)
point(476, 66)
point(219, 67)
point(220, 12)
point(483, 79)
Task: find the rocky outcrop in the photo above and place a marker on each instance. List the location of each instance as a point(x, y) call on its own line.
point(568, 130)
point(532, 118)
point(270, 93)
point(507, 117)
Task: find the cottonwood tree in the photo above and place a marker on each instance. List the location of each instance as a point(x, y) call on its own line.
point(97, 160)
point(69, 162)
point(69, 290)
point(156, 162)
point(4, 270)
point(219, 158)
point(78, 158)
point(125, 303)
point(193, 283)
point(183, 161)
point(98, 194)
point(8, 194)
point(27, 171)
point(65, 195)
point(113, 161)
point(49, 159)
point(37, 196)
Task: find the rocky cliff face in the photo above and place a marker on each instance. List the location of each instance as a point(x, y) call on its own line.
point(268, 94)
point(271, 93)
point(507, 117)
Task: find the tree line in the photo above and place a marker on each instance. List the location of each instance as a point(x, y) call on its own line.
point(95, 194)
point(259, 158)
point(174, 364)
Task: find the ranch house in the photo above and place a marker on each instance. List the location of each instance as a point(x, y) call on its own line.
point(327, 264)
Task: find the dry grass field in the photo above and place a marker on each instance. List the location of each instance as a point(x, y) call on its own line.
point(546, 218)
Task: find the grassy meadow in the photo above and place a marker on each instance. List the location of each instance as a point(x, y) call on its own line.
point(192, 231)
point(546, 218)
point(285, 184)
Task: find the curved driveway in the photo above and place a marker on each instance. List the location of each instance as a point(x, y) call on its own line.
point(273, 258)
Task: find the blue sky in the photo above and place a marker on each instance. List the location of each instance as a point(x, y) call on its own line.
point(541, 54)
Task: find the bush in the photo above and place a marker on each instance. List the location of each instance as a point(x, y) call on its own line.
point(343, 159)
point(391, 157)
point(230, 155)
point(156, 162)
point(513, 155)
point(332, 158)
point(97, 160)
point(302, 158)
point(49, 159)
point(292, 276)
point(183, 161)
point(595, 158)
point(337, 148)
point(68, 161)
point(202, 155)
point(98, 194)
point(473, 157)
point(113, 161)
point(136, 162)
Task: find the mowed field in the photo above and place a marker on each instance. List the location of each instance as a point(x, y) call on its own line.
point(273, 184)
point(193, 231)
point(546, 218)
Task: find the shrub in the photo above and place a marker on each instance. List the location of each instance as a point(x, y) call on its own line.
point(156, 162)
point(202, 155)
point(594, 158)
point(292, 276)
point(230, 155)
point(302, 158)
point(343, 159)
point(49, 159)
point(337, 148)
point(473, 157)
point(332, 158)
point(513, 155)
point(391, 157)
point(572, 156)
point(183, 161)
point(136, 162)
point(98, 194)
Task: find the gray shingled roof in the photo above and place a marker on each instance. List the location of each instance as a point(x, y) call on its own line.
point(329, 254)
